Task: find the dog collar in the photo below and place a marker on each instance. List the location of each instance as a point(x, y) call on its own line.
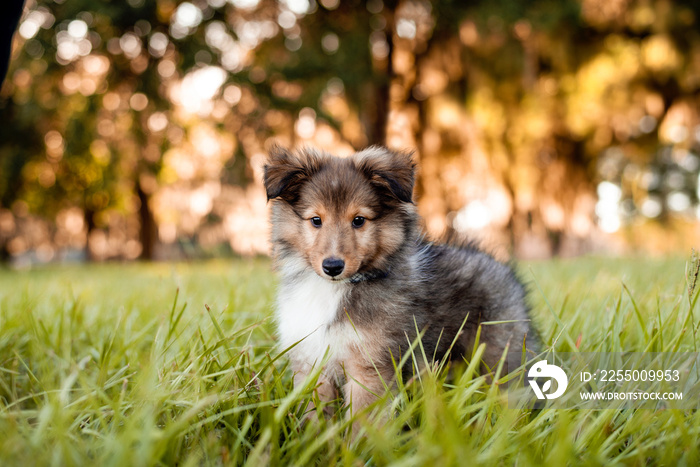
point(368, 276)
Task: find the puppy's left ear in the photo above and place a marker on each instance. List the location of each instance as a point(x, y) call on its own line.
point(392, 171)
point(285, 173)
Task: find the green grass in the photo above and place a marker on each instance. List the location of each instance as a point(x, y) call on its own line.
point(124, 365)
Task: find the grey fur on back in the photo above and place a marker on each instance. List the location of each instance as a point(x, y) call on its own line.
point(439, 286)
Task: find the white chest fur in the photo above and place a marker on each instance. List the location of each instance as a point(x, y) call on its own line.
point(307, 312)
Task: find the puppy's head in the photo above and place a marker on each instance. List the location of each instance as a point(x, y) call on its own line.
point(340, 216)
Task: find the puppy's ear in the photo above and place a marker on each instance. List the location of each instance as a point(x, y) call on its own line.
point(390, 171)
point(284, 173)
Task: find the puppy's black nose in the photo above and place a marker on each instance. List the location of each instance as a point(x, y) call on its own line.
point(333, 266)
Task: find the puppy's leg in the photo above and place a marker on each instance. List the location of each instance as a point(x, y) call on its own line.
point(364, 385)
point(325, 390)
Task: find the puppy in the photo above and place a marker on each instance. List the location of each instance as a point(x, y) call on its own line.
point(358, 279)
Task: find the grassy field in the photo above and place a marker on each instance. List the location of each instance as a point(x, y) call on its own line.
point(125, 365)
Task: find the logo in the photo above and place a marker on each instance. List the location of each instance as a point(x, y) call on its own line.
point(542, 369)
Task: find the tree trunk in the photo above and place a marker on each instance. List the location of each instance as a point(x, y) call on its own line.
point(147, 233)
point(4, 253)
point(381, 115)
point(90, 227)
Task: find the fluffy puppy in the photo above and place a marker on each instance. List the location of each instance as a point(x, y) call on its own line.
point(358, 278)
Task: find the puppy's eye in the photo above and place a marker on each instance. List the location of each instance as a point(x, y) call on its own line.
point(358, 222)
point(316, 222)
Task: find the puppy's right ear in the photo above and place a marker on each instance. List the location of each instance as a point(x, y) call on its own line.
point(392, 172)
point(284, 174)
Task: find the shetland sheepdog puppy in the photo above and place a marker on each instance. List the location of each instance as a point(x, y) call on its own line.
point(359, 283)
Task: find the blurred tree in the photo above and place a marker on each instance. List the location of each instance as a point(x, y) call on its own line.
point(87, 81)
point(549, 87)
point(518, 110)
point(339, 50)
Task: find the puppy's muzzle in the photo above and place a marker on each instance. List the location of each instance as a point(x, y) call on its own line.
point(333, 266)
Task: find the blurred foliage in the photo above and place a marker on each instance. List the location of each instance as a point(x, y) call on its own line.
point(538, 124)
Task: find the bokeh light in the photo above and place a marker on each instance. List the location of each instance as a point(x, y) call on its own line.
point(142, 131)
